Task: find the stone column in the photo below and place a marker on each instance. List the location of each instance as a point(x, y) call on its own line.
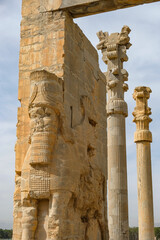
point(114, 48)
point(143, 138)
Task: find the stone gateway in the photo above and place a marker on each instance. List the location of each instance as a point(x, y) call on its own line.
point(62, 166)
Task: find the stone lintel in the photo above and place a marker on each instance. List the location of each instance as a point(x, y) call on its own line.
point(80, 8)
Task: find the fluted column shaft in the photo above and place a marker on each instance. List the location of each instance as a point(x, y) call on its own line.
point(114, 48)
point(143, 138)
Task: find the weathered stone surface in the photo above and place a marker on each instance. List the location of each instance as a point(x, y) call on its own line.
point(61, 164)
point(114, 47)
point(143, 138)
point(86, 7)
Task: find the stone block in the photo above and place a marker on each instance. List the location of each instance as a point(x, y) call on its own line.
point(59, 152)
point(80, 8)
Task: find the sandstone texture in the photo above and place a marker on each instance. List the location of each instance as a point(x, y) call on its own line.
point(143, 138)
point(61, 149)
point(62, 165)
point(114, 47)
point(79, 8)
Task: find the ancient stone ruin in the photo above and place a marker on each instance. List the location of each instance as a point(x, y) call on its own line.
point(143, 138)
point(62, 168)
point(114, 48)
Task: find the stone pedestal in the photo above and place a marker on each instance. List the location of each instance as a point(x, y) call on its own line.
point(114, 48)
point(143, 138)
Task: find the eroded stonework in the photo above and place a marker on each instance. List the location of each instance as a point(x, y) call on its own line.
point(114, 47)
point(78, 8)
point(143, 139)
point(61, 150)
point(61, 167)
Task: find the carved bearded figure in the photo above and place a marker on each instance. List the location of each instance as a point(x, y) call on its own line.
point(61, 189)
point(45, 101)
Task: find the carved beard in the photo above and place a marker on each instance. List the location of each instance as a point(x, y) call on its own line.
point(44, 126)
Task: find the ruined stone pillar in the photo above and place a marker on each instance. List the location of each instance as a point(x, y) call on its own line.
point(114, 54)
point(143, 138)
point(61, 149)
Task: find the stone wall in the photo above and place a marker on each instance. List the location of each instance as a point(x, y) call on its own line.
point(76, 190)
point(41, 47)
point(85, 111)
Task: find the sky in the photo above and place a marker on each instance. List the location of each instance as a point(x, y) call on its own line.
point(144, 70)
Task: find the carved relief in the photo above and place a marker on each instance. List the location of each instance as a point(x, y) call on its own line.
point(90, 200)
point(29, 219)
point(64, 146)
point(39, 182)
point(44, 112)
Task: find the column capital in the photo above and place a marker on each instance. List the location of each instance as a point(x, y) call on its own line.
point(114, 48)
point(109, 44)
point(141, 114)
point(142, 111)
point(141, 92)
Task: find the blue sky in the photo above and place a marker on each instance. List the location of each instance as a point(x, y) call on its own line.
point(143, 67)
